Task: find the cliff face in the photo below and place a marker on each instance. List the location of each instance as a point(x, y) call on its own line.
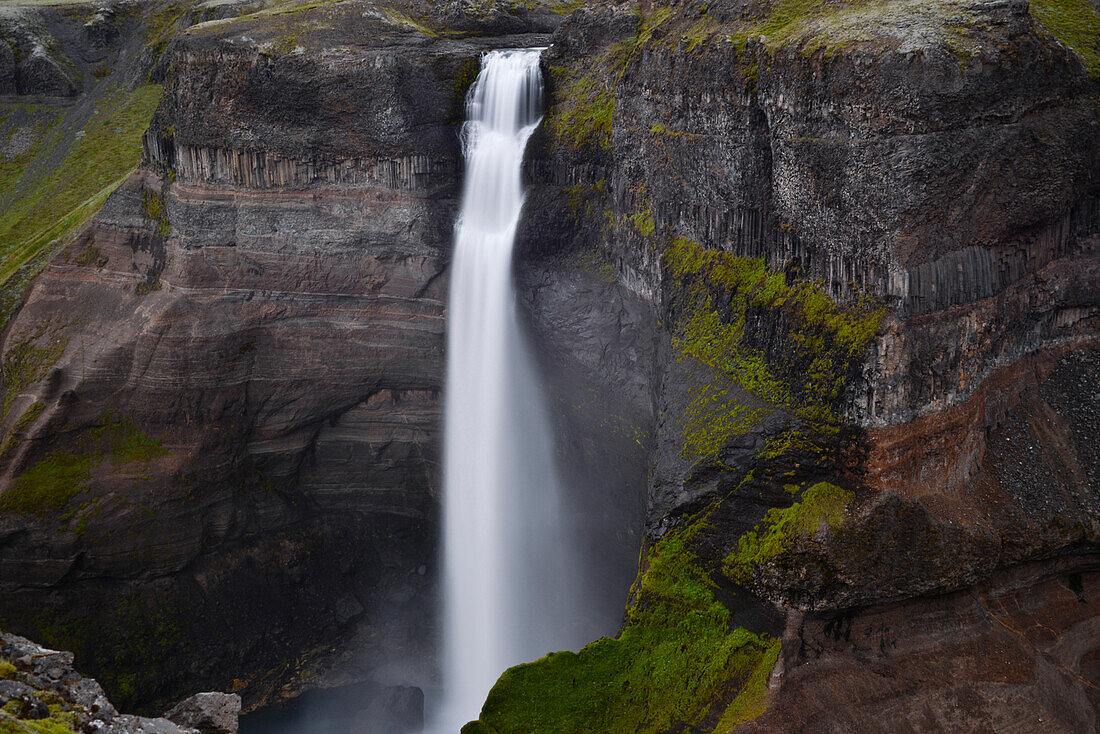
point(222, 396)
point(869, 233)
point(819, 279)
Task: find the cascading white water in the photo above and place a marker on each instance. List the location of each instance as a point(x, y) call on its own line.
point(507, 578)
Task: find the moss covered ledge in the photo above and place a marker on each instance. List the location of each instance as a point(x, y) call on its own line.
point(677, 664)
point(777, 338)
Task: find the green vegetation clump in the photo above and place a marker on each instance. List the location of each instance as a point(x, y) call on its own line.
point(712, 419)
point(161, 26)
point(30, 415)
point(91, 255)
point(676, 663)
point(147, 287)
point(128, 443)
point(286, 44)
point(464, 78)
point(29, 358)
point(7, 670)
point(822, 504)
point(49, 484)
point(643, 222)
point(584, 110)
point(60, 721)
point(156, 212)
point(1075, 23)
point(585, 116)
point(820, 344)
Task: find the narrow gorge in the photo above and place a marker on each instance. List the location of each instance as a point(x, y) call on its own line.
point(811, 295)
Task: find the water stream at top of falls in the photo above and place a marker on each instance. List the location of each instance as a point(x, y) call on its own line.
point(508, 588)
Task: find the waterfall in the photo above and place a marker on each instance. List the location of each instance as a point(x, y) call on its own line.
point(507, 590)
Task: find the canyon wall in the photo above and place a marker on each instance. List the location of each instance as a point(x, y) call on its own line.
point(222, 396)
point(814, 287)
point(869, 235)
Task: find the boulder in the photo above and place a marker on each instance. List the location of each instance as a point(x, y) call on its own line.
point(210, 713)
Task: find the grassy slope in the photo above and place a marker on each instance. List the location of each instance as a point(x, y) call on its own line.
point(676, 664)
point(61, 159)
point(104, 152)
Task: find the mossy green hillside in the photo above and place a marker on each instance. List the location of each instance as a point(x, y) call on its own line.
point(1076, 23)
point(821, 505)
point(51, 483)
point(829, 26)
point(675, 664)
point(801, 363)
point(44, 205)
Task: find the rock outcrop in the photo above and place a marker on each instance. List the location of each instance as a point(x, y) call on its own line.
point(40, 691)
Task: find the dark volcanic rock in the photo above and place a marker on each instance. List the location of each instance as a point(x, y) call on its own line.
point(8, 83)
point(209, 713)
point(40, 73)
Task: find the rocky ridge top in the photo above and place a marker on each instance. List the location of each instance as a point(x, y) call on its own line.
point(41, 691)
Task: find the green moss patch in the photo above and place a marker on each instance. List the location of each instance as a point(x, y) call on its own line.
point(800, 363)
point(676, 664)
point(156, 212)
point(161, 26)
point(822, 505)
point(29, 357)
point(7, 670)
point(583, 109)
point(1076, 24)
point(713, 419)
point(49, 484)
point(60, 721)
point(643, 222)
point(584, 115)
